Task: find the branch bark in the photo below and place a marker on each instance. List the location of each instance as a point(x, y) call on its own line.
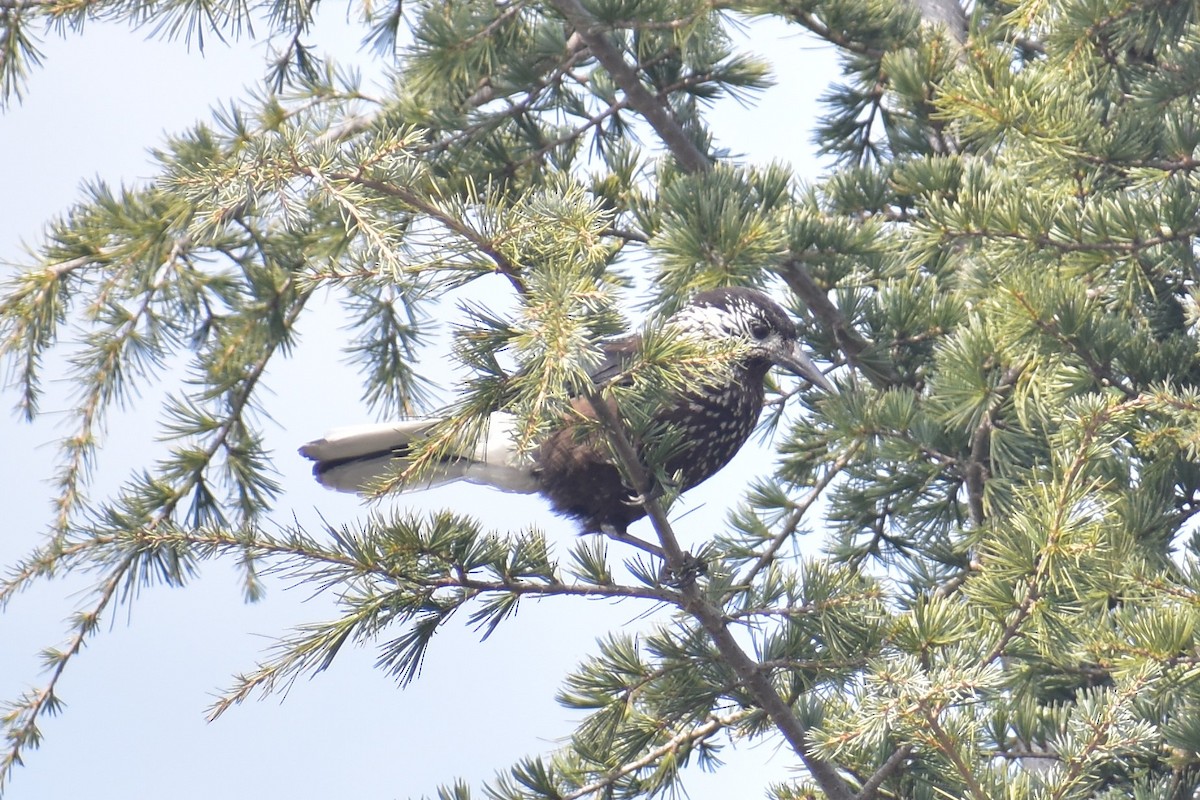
point(947, 13)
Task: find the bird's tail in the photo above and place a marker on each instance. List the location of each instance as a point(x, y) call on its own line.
point(355, 458)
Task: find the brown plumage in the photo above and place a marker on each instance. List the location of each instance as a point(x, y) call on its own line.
point(572, 468)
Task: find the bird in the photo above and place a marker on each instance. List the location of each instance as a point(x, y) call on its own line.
point(573, 467)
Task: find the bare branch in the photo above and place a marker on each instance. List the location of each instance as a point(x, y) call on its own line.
point(871, 787)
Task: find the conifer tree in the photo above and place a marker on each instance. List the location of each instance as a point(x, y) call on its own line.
point(999, 264)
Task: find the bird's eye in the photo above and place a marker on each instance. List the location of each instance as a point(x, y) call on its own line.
point(760, 330)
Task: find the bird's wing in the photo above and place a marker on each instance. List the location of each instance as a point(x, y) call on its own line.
point(617, 355)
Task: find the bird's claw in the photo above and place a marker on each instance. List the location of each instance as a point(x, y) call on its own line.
point(691, 568)
point(653, 493)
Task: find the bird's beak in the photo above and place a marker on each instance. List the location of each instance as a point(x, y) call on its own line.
point(795, 360)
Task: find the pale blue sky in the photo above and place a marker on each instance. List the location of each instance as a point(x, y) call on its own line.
point(134, 724)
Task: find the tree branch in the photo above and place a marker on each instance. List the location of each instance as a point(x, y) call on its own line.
point(978, 466)
point(418, 203)
point(44, 559)
point(797, 513)
point(949, 749)
point(687, 737)
point(655, 110)
point(1100, 371)
point(849, 341)
point(871, 787)
point(710, 617)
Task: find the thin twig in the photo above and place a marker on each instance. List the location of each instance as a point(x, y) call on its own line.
point(949, 749)
point(893, 763)
point(687, 737)
point(418, 203)
point(849, 341)
point(797, 513)
point(237, 405)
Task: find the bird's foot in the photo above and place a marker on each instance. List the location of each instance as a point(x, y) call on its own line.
point(653, 493)
point(634, 541)
point(691, 568)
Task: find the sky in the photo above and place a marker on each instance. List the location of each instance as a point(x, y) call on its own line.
point(134, 724)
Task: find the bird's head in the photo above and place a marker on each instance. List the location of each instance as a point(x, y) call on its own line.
point(755, 320)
